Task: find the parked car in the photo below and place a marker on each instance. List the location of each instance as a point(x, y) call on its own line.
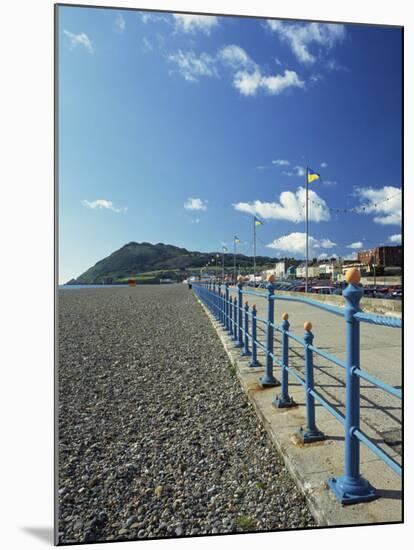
point(322, 289)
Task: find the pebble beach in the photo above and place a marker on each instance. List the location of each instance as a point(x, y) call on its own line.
point(156, 436)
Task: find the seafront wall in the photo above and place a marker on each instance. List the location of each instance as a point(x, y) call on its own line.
point(372, 305)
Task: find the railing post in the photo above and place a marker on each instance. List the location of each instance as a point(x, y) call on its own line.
point(239, 312)
point(235, 318)
point(310, 433)
point(226, 306)
point(283, 401)
point(351, 487)
point(231, 316)
point(220, 304)
point(268, 380)
point(214, 299)
point(246, 351)
point(253, 361)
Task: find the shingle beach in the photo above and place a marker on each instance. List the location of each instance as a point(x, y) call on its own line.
point(156, 436)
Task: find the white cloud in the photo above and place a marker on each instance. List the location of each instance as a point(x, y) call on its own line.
point(235, 57)
point(356, 246)
point(192, 67)
point(120, 24)
point(248, 77)
point(193, 23)
point(329, 183)
point(146, 17)
point(333, 65)
point(301, 36)
point(80, 39)
point(296, 171)
point(195, 204)
point(281, 162)
point(196, 220)
point(315, 77)
point(396, 239)
point(385, 203)
point(326, 243)
point(290, 207)
point(249, 83)
point(103, 203)
point(324, 164)
point(295, 243)
point(146, 45)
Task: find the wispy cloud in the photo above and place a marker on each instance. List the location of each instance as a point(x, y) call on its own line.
point(298, 171)
point(147, 17)
point(295, 243)
point(120, 24)
point(195, 204)
point(329, 183)
point(248, 77)
point(301, 37)
point(80, 39)
point(235, 57)
point(290, 207)
point(355, 246)
point(195, 23)
point(103, 204)
point(195, 220)
point(384, 202)
point(192, 67)
point(395, 239)
point(324, 164)
point(281, 162)
point(146, 45)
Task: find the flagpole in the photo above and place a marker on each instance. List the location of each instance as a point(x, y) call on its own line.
point(222, 274)
point(234, 258)
point(307, 230)
point(254, 251)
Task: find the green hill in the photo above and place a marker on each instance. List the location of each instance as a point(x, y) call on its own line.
point(148, 262)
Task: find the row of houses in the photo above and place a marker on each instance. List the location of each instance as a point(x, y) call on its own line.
point(367, 262)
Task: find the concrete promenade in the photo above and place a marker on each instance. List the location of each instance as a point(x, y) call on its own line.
point(381, 356)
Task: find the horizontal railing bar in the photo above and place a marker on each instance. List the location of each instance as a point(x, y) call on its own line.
point(384, 320)
point(313, 303)
point(295, 375)
point(379, 383)
point(328, 407)
point(261, 320)
point(379, 452)
point(328, 356)
point(297, 339)
point(261, 345)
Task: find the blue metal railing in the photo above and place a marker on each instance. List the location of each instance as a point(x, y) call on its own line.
point(240, 320)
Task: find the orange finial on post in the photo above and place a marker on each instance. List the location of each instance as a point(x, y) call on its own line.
point(353, 276)
point(307, 326)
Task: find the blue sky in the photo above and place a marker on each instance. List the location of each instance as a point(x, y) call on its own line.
point(178, 129)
